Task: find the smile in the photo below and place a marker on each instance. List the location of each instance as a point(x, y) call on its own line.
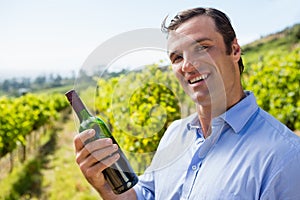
point(198, 79)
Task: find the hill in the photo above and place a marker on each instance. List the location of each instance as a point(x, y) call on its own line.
point(283, 41)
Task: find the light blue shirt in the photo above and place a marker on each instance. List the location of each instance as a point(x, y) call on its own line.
point(249, 155)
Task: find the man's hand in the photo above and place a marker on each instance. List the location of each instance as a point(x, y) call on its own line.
point(94, 157)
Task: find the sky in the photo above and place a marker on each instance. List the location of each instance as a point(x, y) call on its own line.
point(39, 37)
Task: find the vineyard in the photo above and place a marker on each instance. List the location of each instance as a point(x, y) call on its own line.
point(21, 116)
point(36, 153)
point(275, 80)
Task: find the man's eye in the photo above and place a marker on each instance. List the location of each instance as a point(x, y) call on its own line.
point(201, 48)
point(176, 59)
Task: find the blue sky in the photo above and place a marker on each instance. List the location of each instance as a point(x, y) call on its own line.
point(42, 36)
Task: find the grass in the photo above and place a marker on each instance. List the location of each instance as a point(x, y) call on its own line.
point(52, 173)
point(25, 182)
point(64, 179)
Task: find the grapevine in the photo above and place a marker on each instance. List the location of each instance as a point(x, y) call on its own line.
point(20, 116)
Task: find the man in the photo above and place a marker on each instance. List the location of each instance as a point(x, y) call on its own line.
point(229, 149)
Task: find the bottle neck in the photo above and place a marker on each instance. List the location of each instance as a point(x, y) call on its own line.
point(78, 106)
point(83, 114)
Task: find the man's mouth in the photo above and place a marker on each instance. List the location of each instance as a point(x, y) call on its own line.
point(198, 79)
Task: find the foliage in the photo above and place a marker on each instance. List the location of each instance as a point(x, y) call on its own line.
point(49, 169)
point(275, 80)
point(20, 116)
point(139, 106)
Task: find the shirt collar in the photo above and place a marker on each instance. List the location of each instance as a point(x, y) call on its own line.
point(236, 117)
point(193, 122)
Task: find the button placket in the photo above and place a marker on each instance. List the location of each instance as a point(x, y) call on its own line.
point(193, 167)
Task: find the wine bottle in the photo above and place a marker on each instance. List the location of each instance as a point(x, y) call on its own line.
point(120, 176)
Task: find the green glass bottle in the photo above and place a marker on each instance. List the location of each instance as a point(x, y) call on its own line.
point(120, 176)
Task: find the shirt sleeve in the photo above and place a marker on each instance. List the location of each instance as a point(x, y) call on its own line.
point(284, 184)
point(144, 189)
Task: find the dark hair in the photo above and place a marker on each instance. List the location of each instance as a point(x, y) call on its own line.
point(222, 22)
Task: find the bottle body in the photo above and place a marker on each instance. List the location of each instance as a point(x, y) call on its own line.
point(120, 176)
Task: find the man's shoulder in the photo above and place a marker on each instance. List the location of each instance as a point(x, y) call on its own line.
point(272, 123)
point(275, 132)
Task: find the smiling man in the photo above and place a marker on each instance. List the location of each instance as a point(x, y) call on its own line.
point(230, 148)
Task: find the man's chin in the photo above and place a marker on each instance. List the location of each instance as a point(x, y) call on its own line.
point(202, 99)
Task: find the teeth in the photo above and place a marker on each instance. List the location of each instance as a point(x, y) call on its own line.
point(198, 78)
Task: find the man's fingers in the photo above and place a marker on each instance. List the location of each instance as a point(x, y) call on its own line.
point(95, 151)
point(96, 169)
point(95, 166)
point(97, 144)
point(83, 136)
point(107, 162)
point(94, 156)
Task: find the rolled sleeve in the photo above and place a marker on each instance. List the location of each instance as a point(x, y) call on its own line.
point(144, 189)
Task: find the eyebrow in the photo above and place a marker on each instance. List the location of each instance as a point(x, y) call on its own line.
point(201, 40)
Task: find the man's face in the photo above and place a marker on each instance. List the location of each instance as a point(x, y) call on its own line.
point(198, 56)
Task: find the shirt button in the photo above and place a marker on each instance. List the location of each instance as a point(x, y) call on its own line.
point(194, 167)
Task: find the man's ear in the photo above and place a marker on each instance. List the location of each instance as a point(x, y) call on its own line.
point(236, 49)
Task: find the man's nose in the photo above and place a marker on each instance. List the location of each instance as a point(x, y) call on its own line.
point(187, 65)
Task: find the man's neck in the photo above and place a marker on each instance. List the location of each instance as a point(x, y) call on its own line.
point(204, 115)
point(207, 113)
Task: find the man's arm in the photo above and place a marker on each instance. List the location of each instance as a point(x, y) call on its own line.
point(284, 183)
point(93, 158)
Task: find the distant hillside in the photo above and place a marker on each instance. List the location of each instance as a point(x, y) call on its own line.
point(284, 41)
